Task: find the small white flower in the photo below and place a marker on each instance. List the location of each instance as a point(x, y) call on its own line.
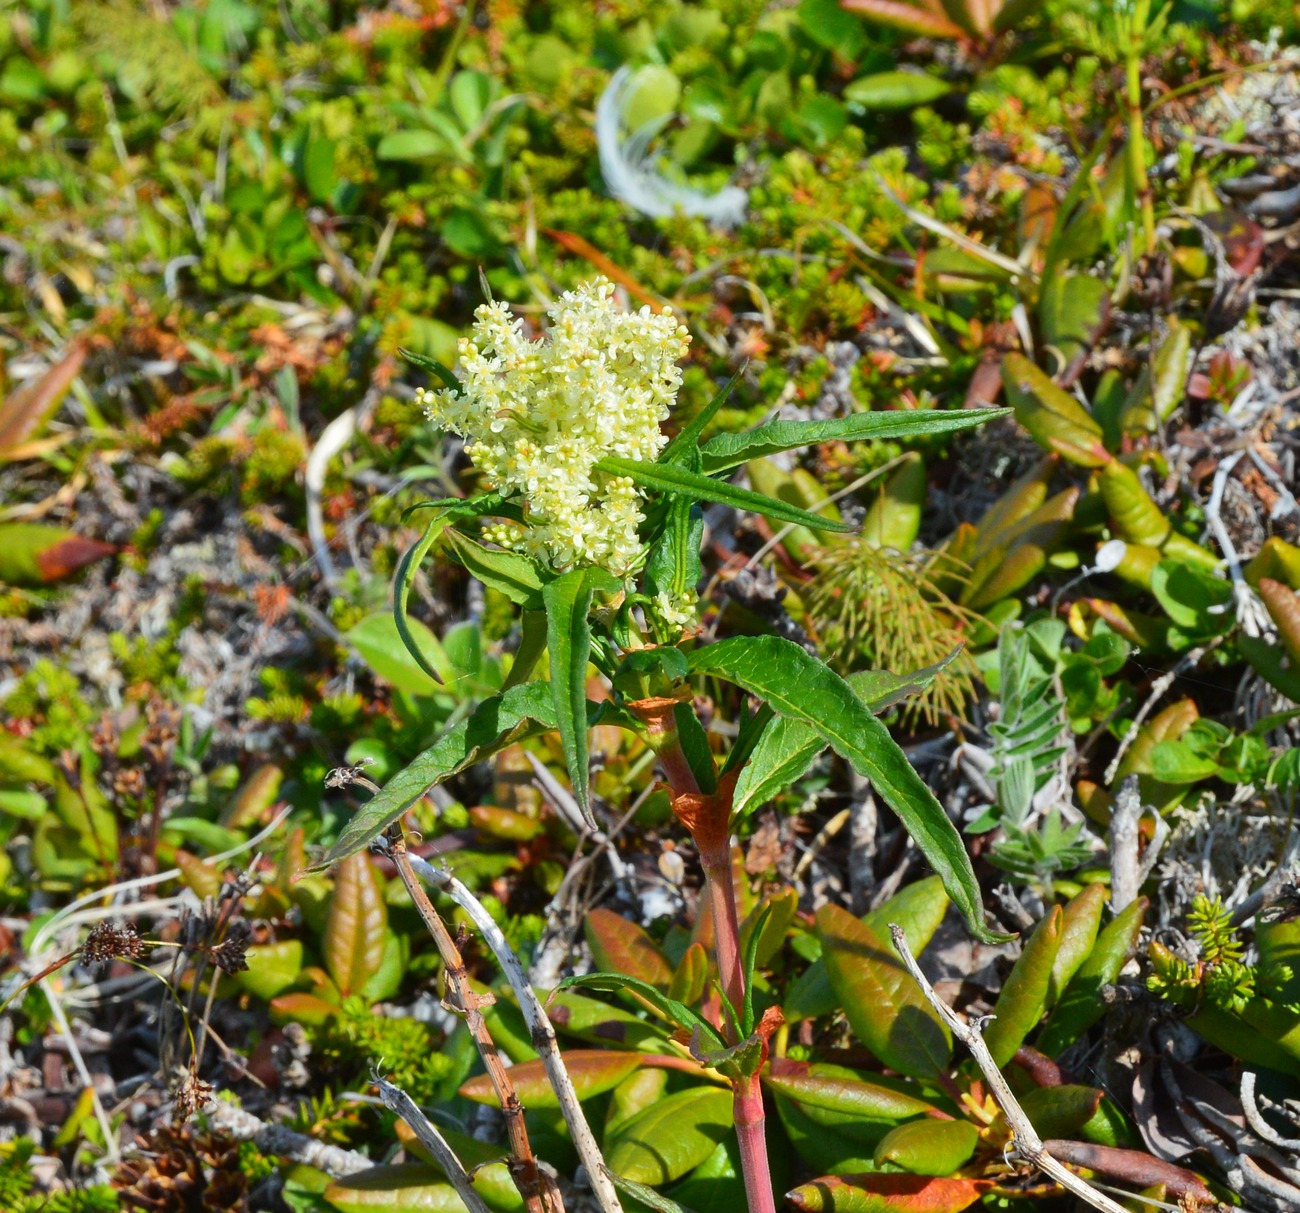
point(538, 415)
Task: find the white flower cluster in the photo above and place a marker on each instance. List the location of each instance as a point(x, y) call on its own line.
point(538, 415)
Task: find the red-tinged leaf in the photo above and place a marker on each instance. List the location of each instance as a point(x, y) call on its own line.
point(579, 247)
point(1081, 1005)
point(1055, 419)
point(29, 407)
point(1078, 936)
point(305, 1009)
point(1131, 1166)
point(620, 946)
point(887, 1194)
point(841, 1097)
point(357, 924)
point(907, 17)
point(885, 1007)
point(199, 875)
point(1024, 993)
point(1242, 239)
point(593, 1071)
point(691, 976)
point(929, 1147)
point(1284, 606)
point(32, 553)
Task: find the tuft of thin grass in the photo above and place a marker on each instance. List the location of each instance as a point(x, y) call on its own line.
point(876, 608)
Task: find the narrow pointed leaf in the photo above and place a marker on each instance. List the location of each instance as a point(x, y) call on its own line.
point(435, 368)
point(837, 1091)
point(593, 1071)
point(726, 451)
point(357, 925)
point(886, 1009)
point(667, 478)
point(498, 722)
point(532, 644)
point(1024, 993)
point(683, 450)
point(27, 408)
point(1078, 937)
point(568, 636)
point(1057, 421)
point(676, 1013)
point(510, 573)
point(798, 686)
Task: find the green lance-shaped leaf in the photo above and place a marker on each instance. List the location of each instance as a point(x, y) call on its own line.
point(786, 748)
point(1024, 994)
point(1072, 310)
point(669, 478)
point(568, 636)
point(593, 1071)
point(1139, 412)
point(895, 90)
point(652, 1200)
point(841, 1097)
point(532, 644)
point(684, 449)
point(918, 908)
point(727, 451)
point(894, 519)
point(433, 366)
point(510, 573)
point(1078, 937)
point(1081, 1005)
point(356, 926)
point(520, 712)
point(691, 975)
point(32, 553)
point(671, 1137)
point(1057, 421)
point(929, 1147)
point(886, 1009)
point(799, 686)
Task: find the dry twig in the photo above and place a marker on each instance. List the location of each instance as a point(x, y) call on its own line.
point(1025, 1138)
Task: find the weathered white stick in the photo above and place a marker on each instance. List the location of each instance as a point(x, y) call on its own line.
point(539, 1028)
point(231, 1121)
point(1025, 1138)
point(398, 1101)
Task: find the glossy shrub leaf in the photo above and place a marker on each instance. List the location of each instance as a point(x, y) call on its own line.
point(725, 451)
point(887, 1194)
point(885, 1007)
point(691, 976)
point(670, 478)
point(400, 1188)
point(842, 1095)
point(910, 18)
point(929, 1147)
point(33, 554)
point(272, 967)
point(1057, 421)
point(619, 945)
point(1081, 1005)
point(593, 1071)
point(894, 519)
point(918, 908)
point(356, 928)
point(1078, 936)
point(896, 90)
point(568, 637)
point(1023, 998)
point(520, 712)
point(1060, 1111)
point(1194, 598)
point(671, 1137)
point(798, 686)
point(405, 653)
point(1283, 606)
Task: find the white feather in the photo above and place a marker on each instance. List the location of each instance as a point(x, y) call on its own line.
point(631, 171)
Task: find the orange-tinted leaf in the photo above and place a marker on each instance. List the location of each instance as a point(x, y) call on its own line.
point(620, 946)
point(30, 406)
point(831, 1090)
point(504, 823)
point(887, 1194)
point(305, 1009)
point(593, 1072)
point(1284, 606)
point(198, 874)
point(908, 17)
point(34, 554)
point(356, 927)
point(691, 976)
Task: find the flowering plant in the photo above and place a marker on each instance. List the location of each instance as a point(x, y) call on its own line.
point(590, 505)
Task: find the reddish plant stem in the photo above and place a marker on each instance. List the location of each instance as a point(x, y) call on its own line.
point(720, 884)
point(752, 1137)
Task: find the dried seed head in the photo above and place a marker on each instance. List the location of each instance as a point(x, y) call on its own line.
point(191, 1094)
point(109, 942)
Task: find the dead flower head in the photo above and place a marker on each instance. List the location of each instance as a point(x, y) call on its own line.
point(110, 942)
